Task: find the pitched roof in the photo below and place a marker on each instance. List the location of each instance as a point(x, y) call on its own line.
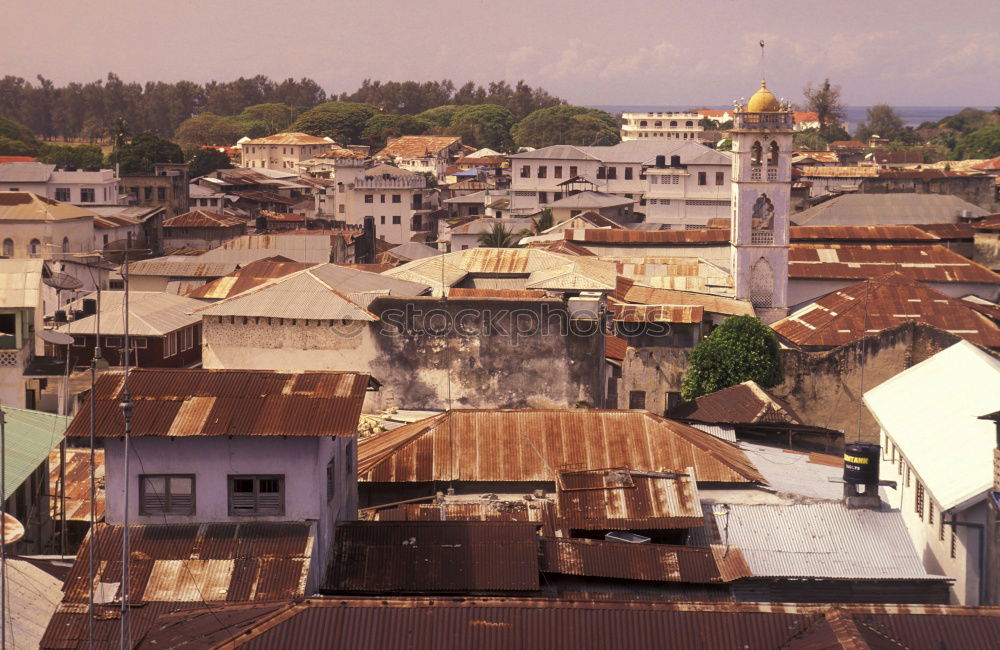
point(170, 402)
point(530, 445)
point(252, 275)
point(590, 199)
point(186, 266)
point(927, 263)
point(743, 403)
point(413, 251)
point(993, 164)
point(710, 303)
point(886, 209)
point(417, 146)
point(202, 219)
point(713, 236)
point(20, 282)
point(292, 137)
point(25, 172)
point(883, 302)
point(931, 411)
point(663, 313)
point(151, 313)
point(28, 206)
point(31, 435)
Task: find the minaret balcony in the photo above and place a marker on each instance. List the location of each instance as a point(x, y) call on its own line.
point(778, 121)
point(755, 172)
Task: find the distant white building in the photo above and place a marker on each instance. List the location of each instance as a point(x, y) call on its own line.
point(943, 458)
point(661, 124)
point(79, 187)
point(423, 153)
point(282, 150)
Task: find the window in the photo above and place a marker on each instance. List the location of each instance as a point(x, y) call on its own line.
point(572, 171)
point(340, 208)
point(79, 341)
point(918, 500)
point(543, 171)
point(628, 173)
point(612, 173)
point(653, 180)
point(702, 178)
point(256, 495)
point(65, 245)
point(525, 171)
point(720, 178)
point(397, 198)
point(350, 460)
point(381, 198)
point(671, 400)
point(941, 528)
point(113, 341)
point(557, 171)
point(170, 345)
point(954, 543)
point(382, 220)
point(543, 197)
point(86, 195)
point(369, 198)
point(147, 193)
point(105, 240)
point(909, 472)
point(637, 399)
point(930, 513)
point(601, 172)
point(34, 248)
point(773, 151)
point(62, 194)
point(188, 333)
point(395, 220)
point(330, 480)
point(899, 470)
point(8, 247)
point(140, 343)
point(166, 494)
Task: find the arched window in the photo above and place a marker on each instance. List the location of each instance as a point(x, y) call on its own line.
point(34, 248)
point(763, 214)
point(761, 284)
point(8, 247)
point(642, 123)
point(689, 123)
point(65, 246)
point(756, 153)
point(772, 154)
point(673, 122)
point(658, 123)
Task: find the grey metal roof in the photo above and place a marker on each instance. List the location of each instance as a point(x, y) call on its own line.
point(348, 280)
point(797, 474)
point(886, 209)
point(250, 248)
point(20, 283)
point(558, 152)
point(413, 251)
point(645, 152)
point(25, 172)
point(589, 199)
point(822, 540)
point(182, 266)
point(151, 313)
point(719, 431)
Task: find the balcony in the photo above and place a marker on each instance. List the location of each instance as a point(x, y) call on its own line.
point(17, 358)
point(764, 121)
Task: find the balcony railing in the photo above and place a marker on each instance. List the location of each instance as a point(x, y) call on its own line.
point(777, 121)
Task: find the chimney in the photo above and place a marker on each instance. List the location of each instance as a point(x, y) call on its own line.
point(861, 468)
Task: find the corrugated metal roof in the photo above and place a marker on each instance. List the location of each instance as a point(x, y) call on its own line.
point(313, 248)
point(896, 233)
point(886, 209)
point(835, 171)
point(657, 313)
point(743, 403)
point(28, 206)
point(433, 556)
point(710, 303)
point(292, 137)
point(615, 347)
point(882, 303)
point(530, 445)
point(798, 474)
point(653, 562)
point(25, 172)
point(202, 219)
point(721, 432)
point(588, 199)
point(610, 236)
point(171, 402)
point(418, 146)
point(20, 283)
point(523, 510)
point(181, 266)
point(677, 273)
point(252, 275)
point(31, 435)
point(151, 313)
point(506, 294)
point(927, 263)
point(32, 598)
point(585, 275)
point(822, 540)
point(623, 499)
point(931, 412)
point(78, 504)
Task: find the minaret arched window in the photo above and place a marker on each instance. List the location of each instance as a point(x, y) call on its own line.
point(756, 153)
point(772, 151)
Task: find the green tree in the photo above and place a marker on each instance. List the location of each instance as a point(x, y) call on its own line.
point(209, 129)
point(566, 125)
point(881, 120)
point(142, 151)
point(809, 140)
point(274, 117)
point(498, 237)
point(725, 145)
point(824, 100)
point(440, 116)
point(740, 349)
point(83, 156)
point(543, 222)
point(344, 122)
point(14, 136)
point(981, 143)
point(379, 128)
point(206, 161)
point(485, 125)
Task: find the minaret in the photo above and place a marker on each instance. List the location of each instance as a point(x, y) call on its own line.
point(762, 183)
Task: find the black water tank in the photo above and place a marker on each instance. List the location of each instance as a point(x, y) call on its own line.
point(661, 162)
point(60, 316)
point(89, 306)
point(861, 460)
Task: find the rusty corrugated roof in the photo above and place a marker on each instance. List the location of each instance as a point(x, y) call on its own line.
point(623, 499)
point(881, 303)
point(615, 347)
point(657, 313)
point(433, 556)
point(897, 233)
point(292, 137)
point(202, 219)
point(509, 294)
point(77, 500)
point(930, 263)
point(186, 402)
point(524, 510)
point(740, 404)
point(252, 275)
point(531, 445)
point(961, 230)
point(709, 303)
point(418, 146)
point(609, 236)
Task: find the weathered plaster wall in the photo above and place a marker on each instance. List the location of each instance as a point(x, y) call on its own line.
point(825, 388)
point(655, 371)
point(987, 249)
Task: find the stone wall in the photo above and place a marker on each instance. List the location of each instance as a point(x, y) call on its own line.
point(987, 249)
point(655, 372)
point(825, 388)
point(978, 190)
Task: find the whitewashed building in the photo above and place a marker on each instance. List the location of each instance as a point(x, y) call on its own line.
point(282, 150)
point(669, 125)
point(76, 186)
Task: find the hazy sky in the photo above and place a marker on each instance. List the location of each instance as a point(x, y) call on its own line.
point(917, 52)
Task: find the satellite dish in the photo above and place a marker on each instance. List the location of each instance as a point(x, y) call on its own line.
point(63, 281)
point(55, 338)
point(12, 529)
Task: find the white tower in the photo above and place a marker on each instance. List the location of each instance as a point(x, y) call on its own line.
point(762, 183)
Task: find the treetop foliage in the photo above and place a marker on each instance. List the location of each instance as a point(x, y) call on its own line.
point(740, 349)
point(574, 125)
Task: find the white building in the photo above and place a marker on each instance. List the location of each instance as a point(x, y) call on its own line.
point(32, 225)
point(691, 197)
point(79, 187)
point(762, 182)
point(661, 124)
point(942, 456)
point(423, 153)
point(282, 150)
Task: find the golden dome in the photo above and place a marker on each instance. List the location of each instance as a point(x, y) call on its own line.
point(763, 101)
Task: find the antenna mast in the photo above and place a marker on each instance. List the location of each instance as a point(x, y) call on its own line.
point(126, 406)
point(763, 74)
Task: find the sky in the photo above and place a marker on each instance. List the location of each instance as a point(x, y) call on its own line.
point(651, 52)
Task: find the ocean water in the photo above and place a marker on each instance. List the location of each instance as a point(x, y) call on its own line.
point(912, 115)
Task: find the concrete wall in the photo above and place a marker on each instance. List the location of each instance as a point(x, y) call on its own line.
point(655, 371)
point(987, 249)
point(825, 388)
point(978, 190)
point(50, 236)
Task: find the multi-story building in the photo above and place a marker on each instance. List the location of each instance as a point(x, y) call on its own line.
point(423, 153)
point(36, 226)
point(79, 187)
point(690, 196)
point(282, 150)
point(668, 125)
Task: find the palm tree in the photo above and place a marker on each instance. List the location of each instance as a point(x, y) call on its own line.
point(498, 237)
point(543, 222)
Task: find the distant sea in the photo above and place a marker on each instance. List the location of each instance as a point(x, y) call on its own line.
point(912, 115)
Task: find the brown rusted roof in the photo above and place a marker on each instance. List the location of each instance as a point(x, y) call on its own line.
point(562, 246)
point(252, 275)
point(884, 302)
point(623, 499)
point(339, 152)
point(615, 347)
point(531, 445)
point(292, 137)
point(77, 484)
point(709, 303)
point(524, 510)
point(417, 146)
point(989, 222)
point(927, 263)
point(657, 313)
point(653, 562)
point(860, 233)
point(509, 294)
point(202, 219)
point(187, 402)
point(745, 403)
point(609, 236)
point(960, 230)
point(433, 556)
